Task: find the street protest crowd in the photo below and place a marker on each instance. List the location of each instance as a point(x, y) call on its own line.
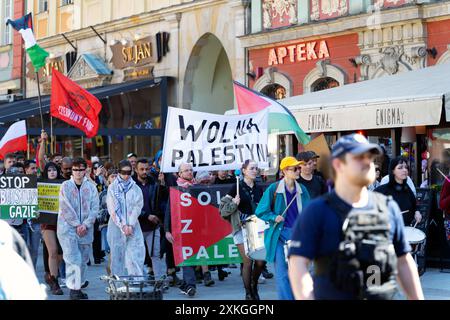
point(327, 239)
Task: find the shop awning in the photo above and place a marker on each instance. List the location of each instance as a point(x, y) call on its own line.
point(414, 98)
point(30, 107)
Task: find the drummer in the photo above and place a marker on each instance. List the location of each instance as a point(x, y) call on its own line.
point(280, 205)
point(400, 191)
point(237, 207)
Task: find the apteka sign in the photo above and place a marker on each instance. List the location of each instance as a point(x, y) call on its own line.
point(214, 142)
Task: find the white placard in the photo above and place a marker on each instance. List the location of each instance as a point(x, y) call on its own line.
point(214, 142)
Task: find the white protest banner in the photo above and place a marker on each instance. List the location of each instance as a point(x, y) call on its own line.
point(214, 142)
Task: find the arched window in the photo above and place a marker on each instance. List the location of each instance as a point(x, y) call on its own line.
point(324, 83)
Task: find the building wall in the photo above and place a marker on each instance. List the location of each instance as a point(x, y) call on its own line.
point(340, 48)
point(438, 37)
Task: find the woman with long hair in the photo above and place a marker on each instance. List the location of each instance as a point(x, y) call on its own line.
point(237, 208)
point(398, 188)
point(51, 243)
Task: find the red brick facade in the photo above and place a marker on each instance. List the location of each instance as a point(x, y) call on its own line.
point(438, 37)
point(340, 49)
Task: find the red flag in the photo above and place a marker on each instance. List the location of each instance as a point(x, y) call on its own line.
point(74, 105)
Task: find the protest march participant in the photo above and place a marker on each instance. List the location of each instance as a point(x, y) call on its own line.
point(125, 238)
point(78, 208)
point(9, 161)
point(399, 190)
point(315, 184)
point(52, 249)
point(185, 180)
point(355, 237)
point(236, 208)
point(103, 216)
point(18, 279)
point(32, 229)
point(66, 168)
point(151, 218)
point(281, 204)
point(132, 158)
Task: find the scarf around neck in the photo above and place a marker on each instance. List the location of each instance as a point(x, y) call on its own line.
point(120, 187)
point(185, 183)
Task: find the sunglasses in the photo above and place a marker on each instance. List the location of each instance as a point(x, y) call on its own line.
point(78, 170)
point(125, 172)
point(253, 168)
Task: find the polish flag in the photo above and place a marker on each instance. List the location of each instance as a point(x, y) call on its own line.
point(15, 139)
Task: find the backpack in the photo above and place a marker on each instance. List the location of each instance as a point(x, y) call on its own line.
point(365, 264)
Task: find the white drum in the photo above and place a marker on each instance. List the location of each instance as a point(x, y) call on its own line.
point(253, 233)
point(416, 239)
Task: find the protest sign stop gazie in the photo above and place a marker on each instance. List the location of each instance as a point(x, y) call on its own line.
point(214, 142)
point(201, 236)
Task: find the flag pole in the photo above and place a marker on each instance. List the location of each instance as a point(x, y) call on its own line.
point(51, 134)
point(40, 102)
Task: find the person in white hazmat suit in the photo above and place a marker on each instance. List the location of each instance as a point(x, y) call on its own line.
point(78, 209)
point(125, 238)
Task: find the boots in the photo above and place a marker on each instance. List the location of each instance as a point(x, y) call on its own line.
point(255, 291)
point(78, 295)
point(222, 274)
point(47, 277)
point(248, 295)
point(207, 280)
point(54, 286)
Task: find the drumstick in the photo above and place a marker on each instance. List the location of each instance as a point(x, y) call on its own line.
point(404, 211)
point(237, 173)
point(416, 224)
point(446, 178)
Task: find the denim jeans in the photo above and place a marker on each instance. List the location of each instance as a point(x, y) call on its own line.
point(105, 245)
point(189, 276)
point(281, 268)
point(153, 240)
point(33, 238)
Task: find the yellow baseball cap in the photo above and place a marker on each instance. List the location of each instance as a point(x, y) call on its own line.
point(289, 162)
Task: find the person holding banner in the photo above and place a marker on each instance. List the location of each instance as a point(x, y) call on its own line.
point(281, 204)
point(52, 249)
point(78, 208)
point(185, 180)
point(236, 207)
point(124, 235)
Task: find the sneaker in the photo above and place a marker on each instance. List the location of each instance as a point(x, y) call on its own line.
point(261, 280)
point(207, 280)
point(85, 284)
point(62, 283)
point(266, 273)
point(187, 290)
point(191, 291)
point(78, 295)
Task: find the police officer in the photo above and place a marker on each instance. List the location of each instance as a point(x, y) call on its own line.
point(318, 235)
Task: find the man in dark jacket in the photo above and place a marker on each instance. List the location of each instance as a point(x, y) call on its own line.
point(151, 218)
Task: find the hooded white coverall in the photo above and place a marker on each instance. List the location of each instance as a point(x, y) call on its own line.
point(127, 252)
point(76, 207)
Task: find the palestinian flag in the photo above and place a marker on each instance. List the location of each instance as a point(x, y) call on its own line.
point(25, 27)
point(281, 120)
point(15, 139)
point(202, 236)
